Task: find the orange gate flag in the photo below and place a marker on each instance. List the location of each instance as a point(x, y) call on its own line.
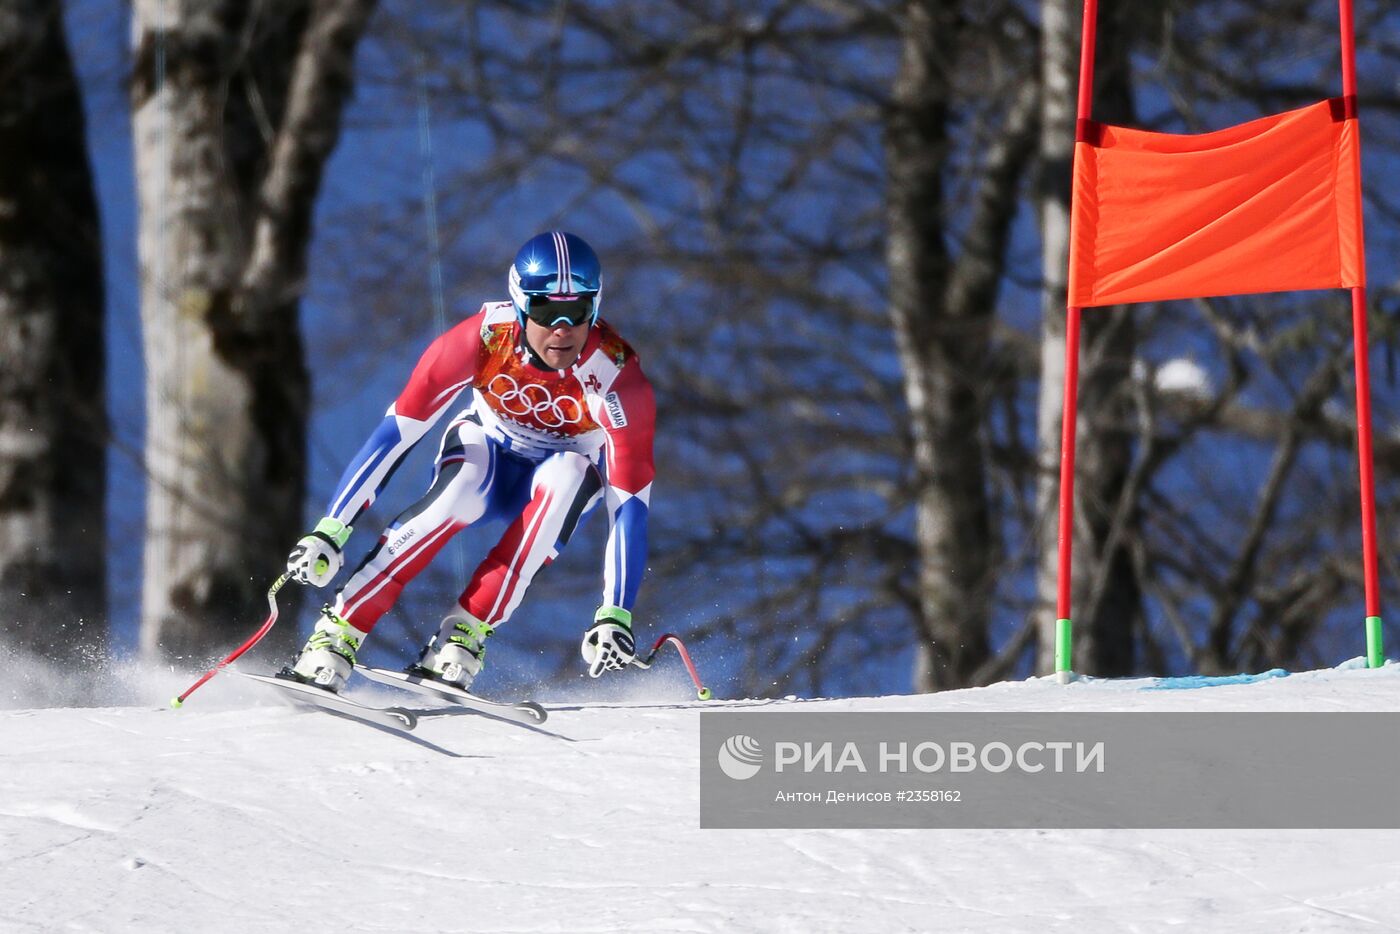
point(1267, 206)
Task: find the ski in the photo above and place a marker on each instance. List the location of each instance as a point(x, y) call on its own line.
point(309, 695)
point(527, 712)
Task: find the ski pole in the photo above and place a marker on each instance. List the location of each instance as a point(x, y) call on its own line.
point(701, 691)
point(271, 618)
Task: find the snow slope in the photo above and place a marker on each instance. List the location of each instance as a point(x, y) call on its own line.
point(239, 814)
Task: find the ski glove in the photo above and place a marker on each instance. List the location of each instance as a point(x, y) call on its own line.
point(608, 644)
point(316, 558)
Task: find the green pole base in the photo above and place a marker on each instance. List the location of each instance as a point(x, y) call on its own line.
point(1375, 649)
point(1064, 637)
point(176, 703)
point(704, 694)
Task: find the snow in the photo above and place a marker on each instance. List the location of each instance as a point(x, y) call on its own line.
point(240, 814)
point(1183, 375)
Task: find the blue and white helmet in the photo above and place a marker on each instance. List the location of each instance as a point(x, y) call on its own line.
point(558, 276)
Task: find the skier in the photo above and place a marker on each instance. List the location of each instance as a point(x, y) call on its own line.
point(562, 418)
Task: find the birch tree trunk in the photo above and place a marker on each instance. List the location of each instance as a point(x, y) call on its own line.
point(916, 147)
point(53, 428)
point(1107, 599)
point(942, 310)
point(236, 110)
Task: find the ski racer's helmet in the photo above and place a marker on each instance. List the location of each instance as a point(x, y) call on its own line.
point(556, 277)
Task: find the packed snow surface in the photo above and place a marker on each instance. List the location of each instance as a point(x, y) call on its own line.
point(241, 814)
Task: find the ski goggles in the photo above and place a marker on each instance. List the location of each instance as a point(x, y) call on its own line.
point(550, 311)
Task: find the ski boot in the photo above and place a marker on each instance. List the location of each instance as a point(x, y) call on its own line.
point(329, 655)
point(455, 655)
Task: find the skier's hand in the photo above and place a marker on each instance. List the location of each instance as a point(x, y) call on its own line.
point(316, 558)
point(608, 644)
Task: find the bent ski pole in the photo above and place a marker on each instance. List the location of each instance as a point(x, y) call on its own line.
point(701, 691)
point(271, 618)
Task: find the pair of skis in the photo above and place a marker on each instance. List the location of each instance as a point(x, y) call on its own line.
point(528, 713)
point(523, 712)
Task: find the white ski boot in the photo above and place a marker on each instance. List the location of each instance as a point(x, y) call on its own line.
point(329, 655)
point(456, 653)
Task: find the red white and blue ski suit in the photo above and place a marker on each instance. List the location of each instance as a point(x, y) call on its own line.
point(537, 447)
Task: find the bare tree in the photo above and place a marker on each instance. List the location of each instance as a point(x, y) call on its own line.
point(53, 428)
point(942, 308)
point(236, 110)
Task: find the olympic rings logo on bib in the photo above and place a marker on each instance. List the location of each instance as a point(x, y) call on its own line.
point(536, 400)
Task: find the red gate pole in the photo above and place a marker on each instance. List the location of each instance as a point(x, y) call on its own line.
point(1375, 651)
point(1064, 627)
